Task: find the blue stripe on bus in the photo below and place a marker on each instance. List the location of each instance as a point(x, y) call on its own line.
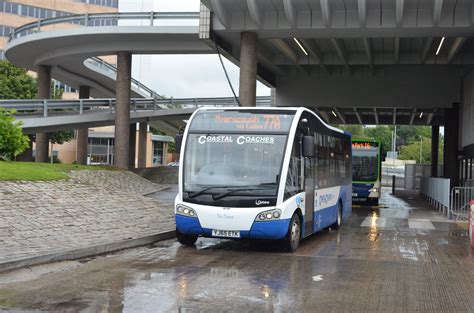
point(188, 225)
point(263, 230)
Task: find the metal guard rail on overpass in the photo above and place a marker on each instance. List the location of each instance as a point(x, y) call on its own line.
point(88, 18)
point(101, 64)
point(44, 108)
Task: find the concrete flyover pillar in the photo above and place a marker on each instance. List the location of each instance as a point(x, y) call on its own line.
point(133, 146)
point(142, 143)
point(451, 142)
point(248, 69)
point(434, 150)
point(44, 92)
point(82, 134)
point(122, 110)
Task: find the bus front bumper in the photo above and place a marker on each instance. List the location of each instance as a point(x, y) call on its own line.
point(274, 230)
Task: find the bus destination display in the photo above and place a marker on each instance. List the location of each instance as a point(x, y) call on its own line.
point(236, 121)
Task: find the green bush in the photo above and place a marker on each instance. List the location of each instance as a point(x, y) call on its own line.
point(12, 140)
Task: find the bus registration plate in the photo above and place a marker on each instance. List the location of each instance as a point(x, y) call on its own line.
point(354, 194)
point(226, 233)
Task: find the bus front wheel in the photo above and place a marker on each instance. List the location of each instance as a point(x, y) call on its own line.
point(292, 238)
point(187, 240)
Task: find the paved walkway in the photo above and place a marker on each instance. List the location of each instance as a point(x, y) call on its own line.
point(93, 208)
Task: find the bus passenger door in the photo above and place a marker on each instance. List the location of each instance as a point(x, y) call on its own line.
point(309, 185)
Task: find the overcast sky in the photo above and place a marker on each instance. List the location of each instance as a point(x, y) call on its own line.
point(183, 75)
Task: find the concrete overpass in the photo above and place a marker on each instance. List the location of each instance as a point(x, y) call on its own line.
point(359, 61)
point(354, 61)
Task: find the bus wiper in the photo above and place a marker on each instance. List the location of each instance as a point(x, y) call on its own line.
point(200, 192)
point(225, 194)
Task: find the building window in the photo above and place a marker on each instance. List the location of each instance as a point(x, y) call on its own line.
point(104, 3)
point(158, 151)
point(5, 30)
point(100, 151)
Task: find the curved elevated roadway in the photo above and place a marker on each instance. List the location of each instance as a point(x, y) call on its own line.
point(70, 51)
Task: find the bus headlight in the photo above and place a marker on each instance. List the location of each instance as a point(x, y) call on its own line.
point(268, 215)
point(186, 211)
point(373, 190)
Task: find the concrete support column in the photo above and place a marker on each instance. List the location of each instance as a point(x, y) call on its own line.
point(451, 142)
point(142, 143)
point(133, 146)
point(82, 134)
point(44, 92)
point(434, 150)
point(122, 110)
point(248, 69)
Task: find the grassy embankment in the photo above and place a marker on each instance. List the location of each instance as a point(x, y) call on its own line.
point(15, 171)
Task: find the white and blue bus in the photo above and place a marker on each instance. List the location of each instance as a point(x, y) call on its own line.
point(267, 173)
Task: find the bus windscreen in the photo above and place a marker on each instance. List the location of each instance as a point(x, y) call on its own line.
point(365, 161)
point(242, 121)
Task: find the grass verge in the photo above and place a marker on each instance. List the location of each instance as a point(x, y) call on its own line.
point(15, 171)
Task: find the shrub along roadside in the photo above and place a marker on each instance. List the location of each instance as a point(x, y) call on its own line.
point(12, 140)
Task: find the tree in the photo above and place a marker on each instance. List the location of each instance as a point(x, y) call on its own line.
point(12, 140)
point(357, 131)
point(15, 83)
point(412, 151)
point(382, 134)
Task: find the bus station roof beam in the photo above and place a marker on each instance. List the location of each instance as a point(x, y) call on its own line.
point(341, 117)
point(358, 116)
point(313, 50)
point(222, 14)
point(290, 12)
point(376, 115)
point(341, 52)
point(455, 48)
point(412, 118)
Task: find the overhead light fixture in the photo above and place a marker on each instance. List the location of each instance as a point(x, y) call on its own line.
point(421, 114)
point(440, 45)
point(334, 113)
point(300, 45)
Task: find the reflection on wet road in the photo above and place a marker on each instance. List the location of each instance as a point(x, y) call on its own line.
point(400, 257)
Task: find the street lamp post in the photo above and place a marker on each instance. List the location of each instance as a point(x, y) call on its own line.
point(421, 148)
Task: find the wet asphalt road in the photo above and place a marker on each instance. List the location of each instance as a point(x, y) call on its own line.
point(401, 257)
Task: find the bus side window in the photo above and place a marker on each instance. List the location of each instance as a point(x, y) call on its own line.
point(294, 182)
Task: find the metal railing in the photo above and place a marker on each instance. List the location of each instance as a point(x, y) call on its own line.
point(45, 108)
point(101, 64)
point(436, 191)
point(461, 198)
point(110, 18)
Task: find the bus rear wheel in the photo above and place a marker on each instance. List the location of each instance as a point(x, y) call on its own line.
point(187, 240)
point(338, 222)
point(293, 236)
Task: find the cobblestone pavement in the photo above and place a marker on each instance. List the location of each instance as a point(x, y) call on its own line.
point(38, 218)
point(117, 180)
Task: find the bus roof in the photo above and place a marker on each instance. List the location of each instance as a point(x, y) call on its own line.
point(294, 109)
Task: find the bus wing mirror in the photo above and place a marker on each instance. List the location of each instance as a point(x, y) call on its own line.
point(308, 146)
point(178, 141)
